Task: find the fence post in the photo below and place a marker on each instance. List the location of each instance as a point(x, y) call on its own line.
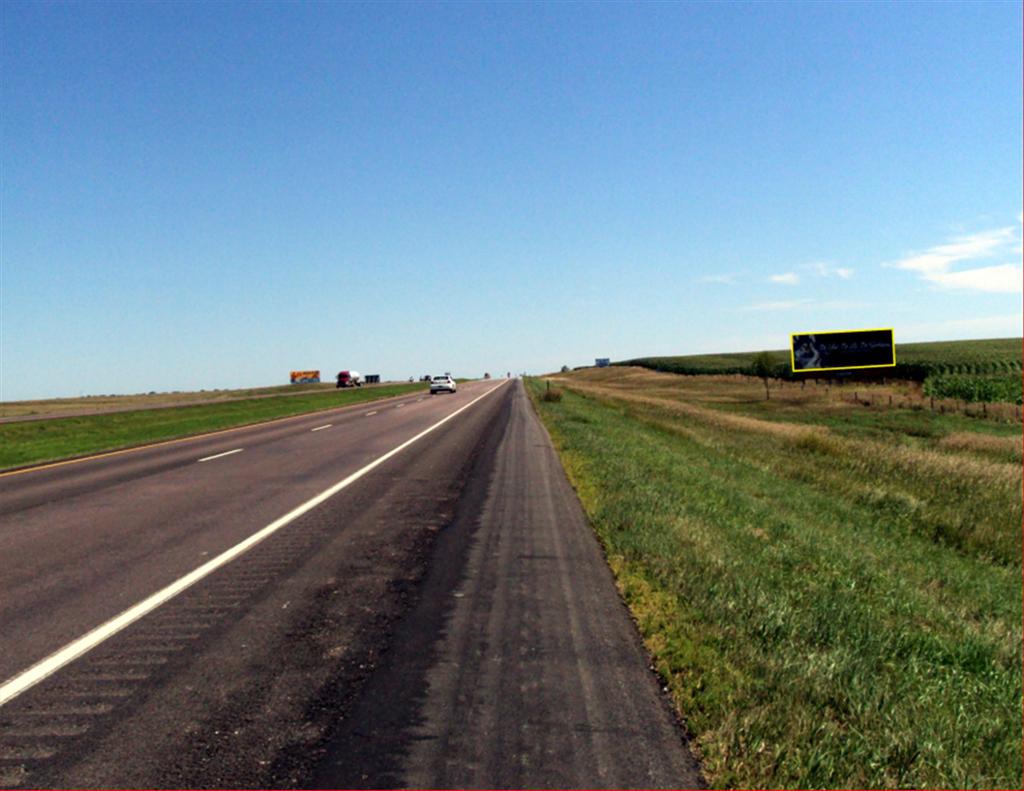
point(890, 399)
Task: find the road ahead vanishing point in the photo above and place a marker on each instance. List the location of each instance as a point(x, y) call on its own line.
point(407, 595)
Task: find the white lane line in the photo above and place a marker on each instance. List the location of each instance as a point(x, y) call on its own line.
point(419, 399)
point(44, 668)
point(374, 412)
point(321, 428)
point(399, 406)
point(225, 453)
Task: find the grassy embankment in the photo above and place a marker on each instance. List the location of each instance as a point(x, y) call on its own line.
point(29, 442)
point(57, 407)
point(834, 600)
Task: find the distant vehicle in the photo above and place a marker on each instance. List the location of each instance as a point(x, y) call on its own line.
point(440, 384)
point(371, 379)
point(349, 379)
point(487, 376)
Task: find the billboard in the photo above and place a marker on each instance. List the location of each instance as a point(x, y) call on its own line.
point(305, 377)
point(841, 350)
point(602, 362)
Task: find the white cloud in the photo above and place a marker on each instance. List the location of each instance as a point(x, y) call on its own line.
point(1003, 279)
point(786, 278)
point(827, 269)
point(935, 264)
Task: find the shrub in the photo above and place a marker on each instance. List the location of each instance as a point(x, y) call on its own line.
point(551, 394)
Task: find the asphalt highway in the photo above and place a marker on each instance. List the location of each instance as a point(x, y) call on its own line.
point(333, 600)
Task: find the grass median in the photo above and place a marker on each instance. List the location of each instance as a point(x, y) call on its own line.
point(31, 442)
point(830, 607)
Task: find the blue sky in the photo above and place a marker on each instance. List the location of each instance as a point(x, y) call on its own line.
point(203, 195)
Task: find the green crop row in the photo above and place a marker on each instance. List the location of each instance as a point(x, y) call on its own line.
point(972, 388)
point(977, 367)
point(914, 361)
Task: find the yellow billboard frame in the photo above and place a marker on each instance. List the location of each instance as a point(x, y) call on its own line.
point(792, 355)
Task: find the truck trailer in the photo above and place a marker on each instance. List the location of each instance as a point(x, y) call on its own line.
point(349, 379)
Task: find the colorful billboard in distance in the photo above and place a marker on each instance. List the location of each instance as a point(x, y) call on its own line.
point(305, 377)
point(842, 350)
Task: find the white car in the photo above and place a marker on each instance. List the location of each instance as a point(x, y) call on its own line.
point(440, 384)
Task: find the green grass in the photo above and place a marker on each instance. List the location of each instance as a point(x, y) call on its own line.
point(914, 360)
point(31, 442)
point(56, 407)
point(828, 610)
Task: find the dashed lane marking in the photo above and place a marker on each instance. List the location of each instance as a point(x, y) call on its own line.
point(220, 455)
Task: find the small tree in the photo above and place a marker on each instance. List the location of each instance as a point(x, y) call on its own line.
point(764, 368)
point(565, 369)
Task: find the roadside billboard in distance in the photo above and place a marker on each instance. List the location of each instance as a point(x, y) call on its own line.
point(305, 377)
point(842, 350)
point(603, 362)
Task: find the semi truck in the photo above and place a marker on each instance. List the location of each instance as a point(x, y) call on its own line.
point(349, 379)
